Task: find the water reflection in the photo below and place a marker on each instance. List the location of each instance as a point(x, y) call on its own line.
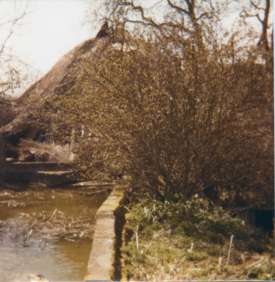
point(46, 232)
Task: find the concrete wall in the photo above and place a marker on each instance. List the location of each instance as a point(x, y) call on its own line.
point(104, 264)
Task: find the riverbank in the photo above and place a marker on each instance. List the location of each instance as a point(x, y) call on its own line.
point(192, 239)
point(51, 228)
point(104, 260)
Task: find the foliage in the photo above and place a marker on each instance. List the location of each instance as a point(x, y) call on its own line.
point(190, 240)
point(180, 111)
point(6, 110)
point(6, 115)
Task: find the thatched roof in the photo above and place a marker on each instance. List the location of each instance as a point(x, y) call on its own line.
point(56, 82)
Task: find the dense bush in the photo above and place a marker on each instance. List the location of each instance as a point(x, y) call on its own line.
point(6, 115)
point(179, 113)
point(6, 110)
point(181, 132)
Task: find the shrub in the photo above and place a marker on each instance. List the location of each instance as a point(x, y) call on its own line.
point(179, 112)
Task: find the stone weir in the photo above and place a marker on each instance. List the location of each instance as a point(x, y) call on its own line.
point(45, 173)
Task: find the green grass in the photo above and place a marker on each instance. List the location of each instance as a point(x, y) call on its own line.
point(190, 240)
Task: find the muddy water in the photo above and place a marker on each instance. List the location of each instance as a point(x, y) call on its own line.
point(46, 232)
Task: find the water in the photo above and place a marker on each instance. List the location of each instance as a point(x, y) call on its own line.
point(46, 232)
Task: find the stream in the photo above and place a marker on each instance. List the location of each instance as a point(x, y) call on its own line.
point(46, 232)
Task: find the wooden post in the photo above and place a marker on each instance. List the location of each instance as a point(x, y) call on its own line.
point(229, 250)
point(82, 131)
point(72, 140)
point(71, 157)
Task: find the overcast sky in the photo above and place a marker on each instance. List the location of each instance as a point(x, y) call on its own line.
point(50, 29)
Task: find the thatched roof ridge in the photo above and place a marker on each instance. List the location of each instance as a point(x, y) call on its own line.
point(62, 76)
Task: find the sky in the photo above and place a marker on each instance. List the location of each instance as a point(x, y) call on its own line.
point(50, 28)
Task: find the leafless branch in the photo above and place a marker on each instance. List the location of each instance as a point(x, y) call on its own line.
point(178, 8)
point(13, 22)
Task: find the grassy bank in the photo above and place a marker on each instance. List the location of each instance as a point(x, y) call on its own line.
point(191, 240)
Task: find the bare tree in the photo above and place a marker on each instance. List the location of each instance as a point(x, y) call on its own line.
point(9, 74)
point(261, 10)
